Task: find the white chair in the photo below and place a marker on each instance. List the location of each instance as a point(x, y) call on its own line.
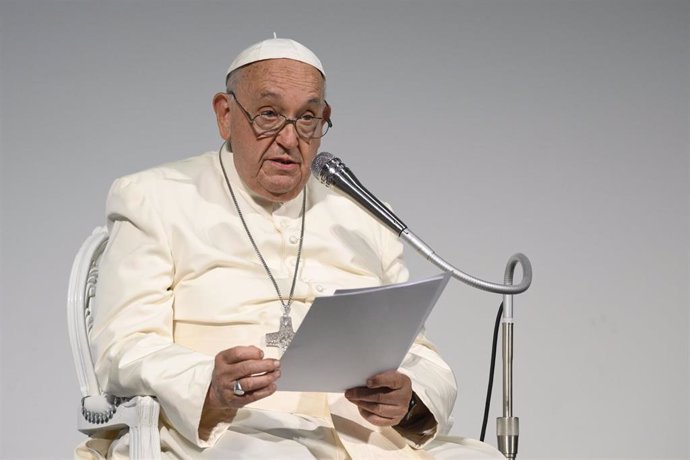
point(101, 411)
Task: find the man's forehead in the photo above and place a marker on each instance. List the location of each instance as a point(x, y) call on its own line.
point(276, 78)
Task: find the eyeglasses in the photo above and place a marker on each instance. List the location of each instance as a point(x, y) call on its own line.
point(268, 123)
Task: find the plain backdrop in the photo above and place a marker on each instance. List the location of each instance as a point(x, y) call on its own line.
point(554, 128)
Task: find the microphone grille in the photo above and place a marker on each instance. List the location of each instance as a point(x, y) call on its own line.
point(319, 162)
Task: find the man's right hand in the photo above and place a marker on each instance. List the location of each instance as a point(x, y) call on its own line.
point(257, 378)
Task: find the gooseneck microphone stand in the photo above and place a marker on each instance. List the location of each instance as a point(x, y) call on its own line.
point(508, 426)
point(331, 171)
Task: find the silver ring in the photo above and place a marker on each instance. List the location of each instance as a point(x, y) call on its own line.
point(237, 389)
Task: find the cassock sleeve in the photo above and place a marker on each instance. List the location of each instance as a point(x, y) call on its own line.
point(132, 334)
point(432, 379)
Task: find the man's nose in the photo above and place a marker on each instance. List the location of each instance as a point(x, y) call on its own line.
point(288, 137)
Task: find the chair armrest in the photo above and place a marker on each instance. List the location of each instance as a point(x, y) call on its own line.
point(139, 413)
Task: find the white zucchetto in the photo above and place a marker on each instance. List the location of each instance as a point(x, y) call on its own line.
point(276, 48)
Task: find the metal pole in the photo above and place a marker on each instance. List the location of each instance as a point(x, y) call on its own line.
point(508, 427)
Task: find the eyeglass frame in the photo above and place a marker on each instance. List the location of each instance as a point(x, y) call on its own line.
point(286, 122)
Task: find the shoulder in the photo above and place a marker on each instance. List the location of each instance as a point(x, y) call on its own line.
point(348, 225)
point(330, 201)
point(327, 201)
point(170, 187)
point(330, 205)
point(187, 170)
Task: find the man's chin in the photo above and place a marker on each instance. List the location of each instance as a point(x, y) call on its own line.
point(282, 194)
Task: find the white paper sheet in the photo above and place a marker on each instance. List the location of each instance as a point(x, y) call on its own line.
point(354, 334)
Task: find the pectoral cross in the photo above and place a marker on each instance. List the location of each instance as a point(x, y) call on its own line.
point(283, 336)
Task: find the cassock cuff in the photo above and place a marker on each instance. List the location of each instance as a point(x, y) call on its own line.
point(421, 430)
point(217, 431)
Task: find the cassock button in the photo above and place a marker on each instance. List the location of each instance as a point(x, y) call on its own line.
point(294, 239)
point(319, 288)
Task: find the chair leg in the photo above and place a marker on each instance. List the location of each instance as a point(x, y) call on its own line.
point(144, 436)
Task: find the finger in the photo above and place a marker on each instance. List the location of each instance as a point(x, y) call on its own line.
point(389, 379)
point(375, 419)
point(237, 354)
point(224, 377)
point(383, 410)
point(255, 383)
point(253, 389)
point(390, 399)
point(248, 398)
point(249, 381)
point(248, 368)
point(376, 395)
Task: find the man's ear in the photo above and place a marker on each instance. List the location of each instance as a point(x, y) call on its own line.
point(327, 112)
point(221, 105)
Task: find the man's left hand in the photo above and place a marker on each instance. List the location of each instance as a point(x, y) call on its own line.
point(385, 399)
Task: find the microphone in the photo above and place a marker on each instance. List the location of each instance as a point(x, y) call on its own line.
point(330, 171)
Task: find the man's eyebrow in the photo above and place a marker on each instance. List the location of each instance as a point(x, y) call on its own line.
point(269, 94)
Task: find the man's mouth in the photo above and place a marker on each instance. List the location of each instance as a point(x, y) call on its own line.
point(283, 162)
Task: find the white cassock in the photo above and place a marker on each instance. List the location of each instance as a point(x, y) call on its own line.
point(180, 282)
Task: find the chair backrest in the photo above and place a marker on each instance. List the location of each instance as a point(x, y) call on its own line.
point(81, 291)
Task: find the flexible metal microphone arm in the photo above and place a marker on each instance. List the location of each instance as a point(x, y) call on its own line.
point(506, 288)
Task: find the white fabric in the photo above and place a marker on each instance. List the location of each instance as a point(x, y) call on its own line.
point(276, 48)
point(179, 282)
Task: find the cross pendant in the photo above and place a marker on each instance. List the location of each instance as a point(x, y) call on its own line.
point(283, 336)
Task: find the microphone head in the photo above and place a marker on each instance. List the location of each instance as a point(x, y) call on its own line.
point(319, 163)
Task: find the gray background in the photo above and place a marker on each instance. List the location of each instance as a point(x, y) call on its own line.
point(554, 128)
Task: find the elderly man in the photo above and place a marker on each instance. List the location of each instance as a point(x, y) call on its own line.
point(210, 256)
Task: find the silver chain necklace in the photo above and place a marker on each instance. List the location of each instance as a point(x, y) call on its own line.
point(283, 336)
